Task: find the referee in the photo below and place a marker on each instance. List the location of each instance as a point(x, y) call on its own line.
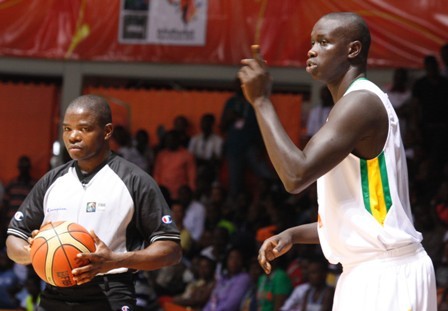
point(120, 203)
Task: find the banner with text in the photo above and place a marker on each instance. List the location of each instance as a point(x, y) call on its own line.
point(212, 31)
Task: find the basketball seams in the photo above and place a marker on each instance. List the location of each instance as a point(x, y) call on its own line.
point(63, 240)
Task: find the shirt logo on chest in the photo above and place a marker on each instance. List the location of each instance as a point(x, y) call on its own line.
point(91, 207)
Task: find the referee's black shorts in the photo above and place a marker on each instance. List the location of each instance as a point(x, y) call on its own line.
point(112, 292)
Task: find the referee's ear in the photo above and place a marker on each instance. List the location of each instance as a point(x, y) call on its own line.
point(108, 130)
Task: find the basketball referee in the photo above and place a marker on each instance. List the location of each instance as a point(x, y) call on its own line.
point(121, 204)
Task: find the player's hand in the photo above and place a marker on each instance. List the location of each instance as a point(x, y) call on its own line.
point(256, 81)
point(101, 261)
point(272, 248)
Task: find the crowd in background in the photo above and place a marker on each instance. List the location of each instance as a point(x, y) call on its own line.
point(226, 200)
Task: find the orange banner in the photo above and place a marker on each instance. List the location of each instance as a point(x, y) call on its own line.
point(214, 31)
point(149, 109)
point(29, 115)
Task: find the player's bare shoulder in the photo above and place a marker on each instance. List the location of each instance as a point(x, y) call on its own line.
point(363, 112)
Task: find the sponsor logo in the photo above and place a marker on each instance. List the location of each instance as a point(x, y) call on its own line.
point(167, 219)
point(91, 207)
point(55, 209)
point(18, 216)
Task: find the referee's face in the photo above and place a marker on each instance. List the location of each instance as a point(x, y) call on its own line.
point(85, 139)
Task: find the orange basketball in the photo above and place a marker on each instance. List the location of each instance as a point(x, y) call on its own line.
point(54, 250)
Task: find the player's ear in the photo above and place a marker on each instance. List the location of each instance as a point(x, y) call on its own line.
point(354, 49)
point(108, 130)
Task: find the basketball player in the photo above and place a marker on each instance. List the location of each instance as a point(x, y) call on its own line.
point(107, 194)
point(358, 160)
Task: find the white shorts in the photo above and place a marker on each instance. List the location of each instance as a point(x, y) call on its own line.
point(399, 280)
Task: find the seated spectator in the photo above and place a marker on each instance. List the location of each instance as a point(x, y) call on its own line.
point(442, 287)
point(9, 283)
point(171, 280)
point(178, 214)
point(433, 233)
point(315, 295)
point(197, 292)
point(33, 287)
point(249, 302)
point(219, 247)
point(231, 285)
point(273, 289)
point(194, 219)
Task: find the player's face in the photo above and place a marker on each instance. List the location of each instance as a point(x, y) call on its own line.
point(84, 138)
point(327, 58)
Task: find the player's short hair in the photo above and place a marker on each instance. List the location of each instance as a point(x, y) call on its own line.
point(357, 29)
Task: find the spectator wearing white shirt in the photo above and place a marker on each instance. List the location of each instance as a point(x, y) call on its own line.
point(207, 145)
point(194, 219)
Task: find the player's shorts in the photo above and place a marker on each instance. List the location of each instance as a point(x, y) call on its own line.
point(111, 292)
point(398, 280)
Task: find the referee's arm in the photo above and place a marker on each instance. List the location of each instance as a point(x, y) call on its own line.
point(18, 250)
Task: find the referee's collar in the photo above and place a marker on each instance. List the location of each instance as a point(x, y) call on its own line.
point(84, 177)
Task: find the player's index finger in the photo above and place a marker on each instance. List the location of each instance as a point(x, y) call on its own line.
point(255, 48)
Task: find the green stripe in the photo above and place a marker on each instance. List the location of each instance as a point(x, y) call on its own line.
point(365, 185)
point(385, 181)
point(353, 82)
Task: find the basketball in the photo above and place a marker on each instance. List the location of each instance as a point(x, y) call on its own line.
point(54, 250)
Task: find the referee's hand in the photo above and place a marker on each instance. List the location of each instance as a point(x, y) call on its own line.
point(101, 261)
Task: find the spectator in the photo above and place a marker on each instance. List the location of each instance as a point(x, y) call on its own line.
point(219, 248)
point(314, 295)
point(207, 150)
point(400, 94)
point(433, 233)
point(207, 146)
point(18, 188)
point(318, 115)
point(249, 302)
point(33, 289)
point(273, 289)
point(145, 152)
point(197, 292)
point(126, 149)
point(174, 165)
point(194, 220)
point(181, 126)
point(231, 285)
point(243, 147)
point(444, 57)
point(9, 283)
point(430, 96)
point(178, 213)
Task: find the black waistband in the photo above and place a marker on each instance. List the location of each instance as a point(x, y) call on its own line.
point(126, 277)
point(123, 277)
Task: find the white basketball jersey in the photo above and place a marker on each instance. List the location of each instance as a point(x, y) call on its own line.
point(364, 205)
